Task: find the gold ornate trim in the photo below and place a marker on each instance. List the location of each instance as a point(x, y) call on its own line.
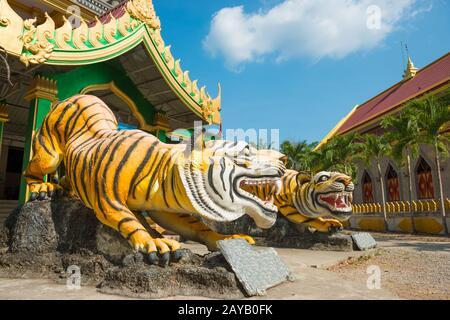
point(42, 88)
point(104, 41)
point(36, 41)
point(124, 97)
point(161, 122)
point(144, 11)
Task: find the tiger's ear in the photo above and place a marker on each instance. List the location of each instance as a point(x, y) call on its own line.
point(273, 154)
point(303, 177)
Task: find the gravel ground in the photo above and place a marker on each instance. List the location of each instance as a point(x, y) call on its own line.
point(409, 273)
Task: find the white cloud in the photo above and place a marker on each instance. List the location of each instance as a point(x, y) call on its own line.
point(311, 28)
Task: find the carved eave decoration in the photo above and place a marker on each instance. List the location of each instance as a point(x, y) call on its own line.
point(161, 122)
point(102, 41)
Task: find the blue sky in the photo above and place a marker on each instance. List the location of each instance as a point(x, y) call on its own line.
point(300, 66)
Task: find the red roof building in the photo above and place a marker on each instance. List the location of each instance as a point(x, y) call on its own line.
point(366, 117)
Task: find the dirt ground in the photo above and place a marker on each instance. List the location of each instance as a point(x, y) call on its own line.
point(412, 266)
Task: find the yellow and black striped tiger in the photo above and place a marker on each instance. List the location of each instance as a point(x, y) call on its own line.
point(118, 172)
point(307, 200)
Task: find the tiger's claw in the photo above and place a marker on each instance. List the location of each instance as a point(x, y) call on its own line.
point(160, 250)
point(33, 196)
point(152, 258)
point(164, 260)
point(176, 255)
point(40, 191)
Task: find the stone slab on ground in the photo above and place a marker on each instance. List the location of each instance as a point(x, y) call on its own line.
point(364, 241)
point(257, 270)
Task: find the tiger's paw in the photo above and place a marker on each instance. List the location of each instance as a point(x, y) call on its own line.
point(159, 250)
point(331, 225)
point(249, 239)
point(40, 191)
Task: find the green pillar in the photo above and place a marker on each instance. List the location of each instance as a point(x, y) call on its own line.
point(42, 94)
point(161, 135)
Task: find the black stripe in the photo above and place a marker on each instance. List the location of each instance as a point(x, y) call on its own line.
point(61, 116)
point(133, 232)
point(173, 184)
point(163, 183)
point(231, 183)
point(47, 128)
point(68, 123)
point(42, 143)
point(150, 170)
point(124, 220)
point(122, 163)
point(141, 167)
point(83, 130)
point(210, 177)
point(63, 112)
point(99, 179)
point(83, 168)
point(81, 111)
point(155, 172)
point(220, 146)
point(222, 172)
point(105, 170)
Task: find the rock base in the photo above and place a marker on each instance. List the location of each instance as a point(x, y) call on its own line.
point(285, 234)
point(45, 238)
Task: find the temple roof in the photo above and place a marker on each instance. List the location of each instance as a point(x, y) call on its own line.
point(429, 78)
point(133, 24)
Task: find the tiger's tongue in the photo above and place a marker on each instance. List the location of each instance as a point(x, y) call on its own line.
point(338, 203)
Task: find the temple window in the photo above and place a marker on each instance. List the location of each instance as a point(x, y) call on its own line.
point(424, 179)
point(367, 188)
point(393, 189)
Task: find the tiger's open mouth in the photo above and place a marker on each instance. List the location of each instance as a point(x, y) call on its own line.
point(339, 202)
point(271, 184)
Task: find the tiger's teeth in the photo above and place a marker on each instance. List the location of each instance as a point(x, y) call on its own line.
point(278, 186)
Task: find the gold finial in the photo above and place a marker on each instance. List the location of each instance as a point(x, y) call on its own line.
point(411, 70)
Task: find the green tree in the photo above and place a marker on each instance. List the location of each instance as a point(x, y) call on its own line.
point(299, 155)
point(403, 136)
point(433, 116)
point(374, 148)
point(340, 153)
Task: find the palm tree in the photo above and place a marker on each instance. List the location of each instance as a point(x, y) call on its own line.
point(340, 152)
point(433, 116)
point(374, 148)
point(403, 133)
point(299, 155)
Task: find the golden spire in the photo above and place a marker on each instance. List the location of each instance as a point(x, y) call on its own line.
point(411, 70)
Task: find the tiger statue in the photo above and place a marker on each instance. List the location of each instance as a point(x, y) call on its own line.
point(119, 173)
point(306, 200)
